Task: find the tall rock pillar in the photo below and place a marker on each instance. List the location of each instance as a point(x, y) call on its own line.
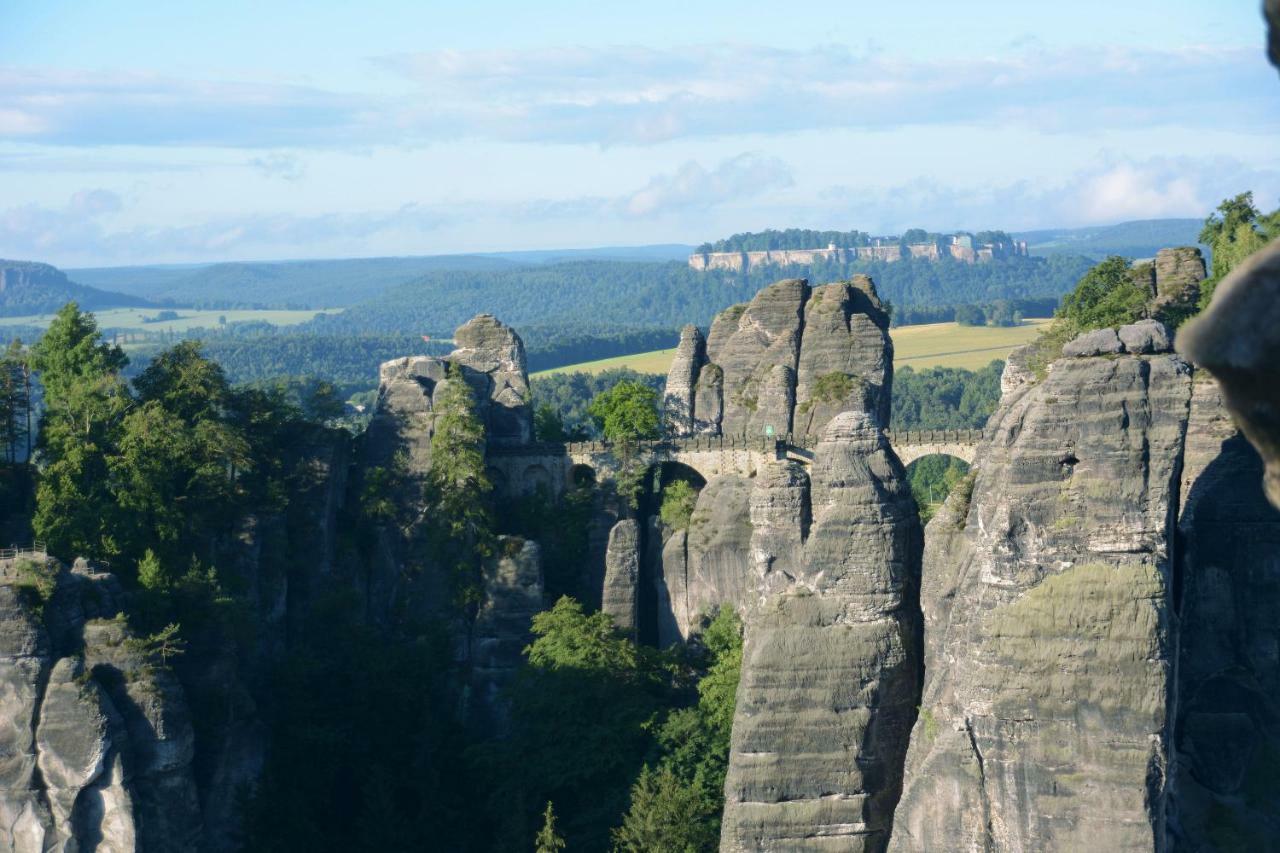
point(831, 667)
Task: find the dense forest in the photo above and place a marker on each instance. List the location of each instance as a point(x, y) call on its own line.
point(669, 295)
point(158, 473)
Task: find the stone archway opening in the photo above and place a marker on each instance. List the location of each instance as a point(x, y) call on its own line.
point(932, 477)
point(534, 479)
point(582, 475)
point(668, 496)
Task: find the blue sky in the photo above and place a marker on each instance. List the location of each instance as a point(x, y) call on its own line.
point(148, 132)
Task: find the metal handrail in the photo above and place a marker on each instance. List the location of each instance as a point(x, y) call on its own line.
point(35, 549)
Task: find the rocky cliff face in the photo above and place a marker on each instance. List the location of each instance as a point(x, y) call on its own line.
point(831, 664)
point(788, 360)
point(490, 359)
point(1094, 606)
point(1048, 621)
point(96, 737)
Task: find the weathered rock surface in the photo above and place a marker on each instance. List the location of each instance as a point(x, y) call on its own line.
point(682, 380)
point(1146, 337)
point(97, 740)
point(845, 332)
point(1096, 342)
point(768, 334)
point(789, 360)
point(622, 575)
point(1237, 339)
point(493, 361)
point(1226, 743)
point(708, 401)
point(1178, 274)
point(780, 517)
point(1045, 719)
point(717, 549)
point(831, 667)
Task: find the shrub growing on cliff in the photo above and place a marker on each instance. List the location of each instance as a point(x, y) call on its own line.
point(679, 497)
point(1107, 296)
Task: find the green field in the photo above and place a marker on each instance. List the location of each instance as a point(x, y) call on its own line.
point(932, 345)
point(657, 361)
point(131, 319)
point(952, 345)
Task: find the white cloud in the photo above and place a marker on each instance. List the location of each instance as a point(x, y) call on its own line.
point(641, 96)
point(691, 187)
point(81, 230)
point(276, 165)
point(1114, 190)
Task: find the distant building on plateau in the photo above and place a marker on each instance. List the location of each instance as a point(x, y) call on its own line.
point(888, 249)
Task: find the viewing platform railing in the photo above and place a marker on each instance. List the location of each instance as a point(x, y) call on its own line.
point(16, 552)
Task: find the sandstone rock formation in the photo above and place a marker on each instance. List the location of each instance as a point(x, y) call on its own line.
point(1049, 619)
point(682, 379)
point(490, 357)
point(788, 361)
point(831, 666)
point(622, 575)
point(493, 361)
point(97, 742)
point(1096, 342)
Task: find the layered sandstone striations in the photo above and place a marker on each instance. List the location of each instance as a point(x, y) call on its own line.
point(1050, 631)
point(831, 665)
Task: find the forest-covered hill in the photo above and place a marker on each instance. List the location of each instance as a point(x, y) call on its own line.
point(28, 287)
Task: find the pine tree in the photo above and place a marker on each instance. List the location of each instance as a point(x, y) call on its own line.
point(548, 840)
point(85, 399)
point(15, 403)
point(459, 487)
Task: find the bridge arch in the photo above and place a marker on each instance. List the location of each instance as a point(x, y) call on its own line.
point(911, 445)
point(535, 477)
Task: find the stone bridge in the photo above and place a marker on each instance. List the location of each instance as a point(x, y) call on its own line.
point(556, 465)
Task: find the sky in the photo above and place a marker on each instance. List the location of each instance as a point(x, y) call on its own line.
point(159, 132)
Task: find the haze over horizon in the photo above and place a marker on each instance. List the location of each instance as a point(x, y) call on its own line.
point(303, 131)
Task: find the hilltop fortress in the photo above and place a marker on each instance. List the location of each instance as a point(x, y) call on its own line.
point(961, 247)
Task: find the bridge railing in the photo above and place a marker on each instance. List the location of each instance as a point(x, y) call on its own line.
point(740, 441)
point(907, 437)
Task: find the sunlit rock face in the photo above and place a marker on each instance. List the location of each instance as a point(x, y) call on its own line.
point(1049, 620)
point(786, 362)
point(831, 664)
